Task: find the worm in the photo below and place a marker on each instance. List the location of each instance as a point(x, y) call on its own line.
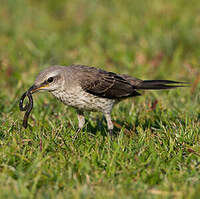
point(28, 107)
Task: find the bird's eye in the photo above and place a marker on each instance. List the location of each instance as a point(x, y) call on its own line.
point(50, 79)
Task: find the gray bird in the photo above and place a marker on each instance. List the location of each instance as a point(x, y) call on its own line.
point(93, 89)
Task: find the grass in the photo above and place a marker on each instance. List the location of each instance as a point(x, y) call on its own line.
point(156, 154)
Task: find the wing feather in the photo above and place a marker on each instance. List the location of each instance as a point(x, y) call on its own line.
point(106, 84)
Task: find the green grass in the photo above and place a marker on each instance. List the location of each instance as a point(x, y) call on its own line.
point(157, 151)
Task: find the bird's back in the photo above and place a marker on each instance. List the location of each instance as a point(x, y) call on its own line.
point(104, 84)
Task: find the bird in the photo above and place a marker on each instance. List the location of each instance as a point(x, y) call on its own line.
point(94, 89)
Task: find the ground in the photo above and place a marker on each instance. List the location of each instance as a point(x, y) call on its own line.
point(156, 153)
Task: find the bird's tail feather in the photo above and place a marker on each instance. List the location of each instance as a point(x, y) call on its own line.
point(160, 84)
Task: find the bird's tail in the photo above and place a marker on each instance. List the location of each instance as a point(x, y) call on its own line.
point(160, 84)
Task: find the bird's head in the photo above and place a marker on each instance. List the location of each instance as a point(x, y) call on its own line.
point(50, 79)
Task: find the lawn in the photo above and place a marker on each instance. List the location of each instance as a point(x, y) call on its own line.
point(157, 151)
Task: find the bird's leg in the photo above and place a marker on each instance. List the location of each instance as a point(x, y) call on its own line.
point(81, 122)
point(109, 124)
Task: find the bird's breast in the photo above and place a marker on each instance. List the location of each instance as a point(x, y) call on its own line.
point(80, 99)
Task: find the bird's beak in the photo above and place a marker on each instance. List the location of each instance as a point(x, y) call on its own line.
point(36, 88)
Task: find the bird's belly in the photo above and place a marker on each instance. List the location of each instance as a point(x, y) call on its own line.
point(85, 101)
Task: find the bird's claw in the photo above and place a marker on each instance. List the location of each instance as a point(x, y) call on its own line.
point(111, 133)
point(76, 135)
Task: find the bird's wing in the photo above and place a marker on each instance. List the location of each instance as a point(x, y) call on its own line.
point(106, 84)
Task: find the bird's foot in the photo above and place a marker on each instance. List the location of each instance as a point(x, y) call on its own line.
point(76, 134)
point(111, 133)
